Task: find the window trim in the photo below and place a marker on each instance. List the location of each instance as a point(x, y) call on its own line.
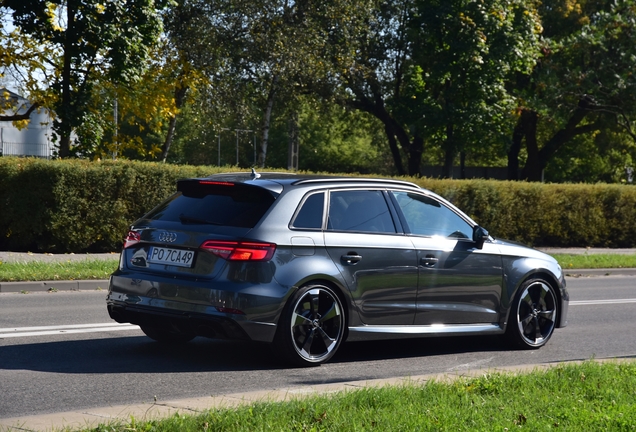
point(397, 223)
point(291, 225)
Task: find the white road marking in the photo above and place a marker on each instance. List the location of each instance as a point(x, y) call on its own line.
point(601, 302)
point(14, 332)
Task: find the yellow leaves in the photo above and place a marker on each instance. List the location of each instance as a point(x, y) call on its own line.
point(21, 124)
point(52, 13)
point(100, 8)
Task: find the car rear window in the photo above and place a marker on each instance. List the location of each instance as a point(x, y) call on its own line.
point(214, 203)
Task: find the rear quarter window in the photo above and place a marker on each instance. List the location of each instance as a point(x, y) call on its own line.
point(309, 215)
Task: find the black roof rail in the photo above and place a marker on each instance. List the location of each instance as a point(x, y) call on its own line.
point(356, 179)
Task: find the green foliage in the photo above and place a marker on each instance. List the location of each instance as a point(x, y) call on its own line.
point(87, 41)
point(76, 206)
point(434, 72)
point(546, 214)
point(602, 157)
point(585, 397)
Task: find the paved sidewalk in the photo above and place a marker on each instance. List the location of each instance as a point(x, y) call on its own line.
point(87, 285)
point(158, 409)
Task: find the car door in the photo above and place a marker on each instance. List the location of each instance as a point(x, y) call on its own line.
point(378, 264)
point(458, 282)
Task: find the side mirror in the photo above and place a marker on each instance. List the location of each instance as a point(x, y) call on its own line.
point(480, 235)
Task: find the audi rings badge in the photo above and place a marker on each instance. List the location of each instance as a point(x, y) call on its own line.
point(167, 237)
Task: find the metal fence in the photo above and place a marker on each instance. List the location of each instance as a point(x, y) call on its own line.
point(26, 149)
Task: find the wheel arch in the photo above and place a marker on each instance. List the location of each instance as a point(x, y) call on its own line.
point(338, 289)
point(546, 277)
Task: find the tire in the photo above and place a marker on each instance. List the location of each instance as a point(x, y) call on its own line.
point(533, 315)
point(311, 327)
point(166, 336)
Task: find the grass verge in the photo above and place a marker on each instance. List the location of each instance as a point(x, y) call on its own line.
point(66, 270)
point(101, 269)
point(595, 261)
point(585, 397)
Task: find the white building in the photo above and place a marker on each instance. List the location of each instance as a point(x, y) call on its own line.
point(34, 140)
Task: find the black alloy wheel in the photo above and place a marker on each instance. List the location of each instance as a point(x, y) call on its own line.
point(533, 316)
point(312, 327)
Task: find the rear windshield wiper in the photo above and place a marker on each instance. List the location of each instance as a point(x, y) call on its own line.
point(191, 220)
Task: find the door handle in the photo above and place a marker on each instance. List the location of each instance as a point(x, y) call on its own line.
point(429, 260)
point(351, 258)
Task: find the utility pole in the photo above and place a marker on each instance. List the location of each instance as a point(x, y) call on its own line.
point(116, 120)
point(237, 142)
point(219, 145)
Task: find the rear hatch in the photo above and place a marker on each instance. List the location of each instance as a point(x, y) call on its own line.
point(196, 231)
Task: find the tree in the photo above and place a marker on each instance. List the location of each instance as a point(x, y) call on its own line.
point(433, 71)
point(19, 55)
point(583, 84)
point(281, 54)
point(84, 41)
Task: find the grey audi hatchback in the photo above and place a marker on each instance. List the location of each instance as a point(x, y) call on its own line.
point(307, 262)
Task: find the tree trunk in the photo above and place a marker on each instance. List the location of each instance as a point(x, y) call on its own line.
point(64, 110)
point(538, 159)
point(394, 130)
point(395, 151)
point(449, 152)
point(292, 127)
point(179, 98)
point(416, 148)
point(513, 151)
point(262, 153)
point(413, 149)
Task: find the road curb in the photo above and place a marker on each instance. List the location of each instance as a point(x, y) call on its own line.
point(42, 286)
point(92, 285)
point(157, 410)
point(600, 272)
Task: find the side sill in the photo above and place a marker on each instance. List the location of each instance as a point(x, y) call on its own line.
point(361, 333)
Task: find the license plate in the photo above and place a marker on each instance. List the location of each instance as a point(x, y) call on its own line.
point(175, 257)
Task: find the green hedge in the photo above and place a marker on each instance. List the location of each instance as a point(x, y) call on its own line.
point(556, 215)
point(79, 206)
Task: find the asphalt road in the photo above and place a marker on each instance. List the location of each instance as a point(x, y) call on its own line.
point(59, 351)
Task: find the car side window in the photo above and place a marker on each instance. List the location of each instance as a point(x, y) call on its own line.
point(427, 216)
point(360, 211)
point(310, 214)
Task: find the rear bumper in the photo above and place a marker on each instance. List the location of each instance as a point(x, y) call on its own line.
point(189, 323)
point(248, 312)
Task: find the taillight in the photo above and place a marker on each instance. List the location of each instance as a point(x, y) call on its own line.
point(216, 183)
point(240, 251)
point(132, 238)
